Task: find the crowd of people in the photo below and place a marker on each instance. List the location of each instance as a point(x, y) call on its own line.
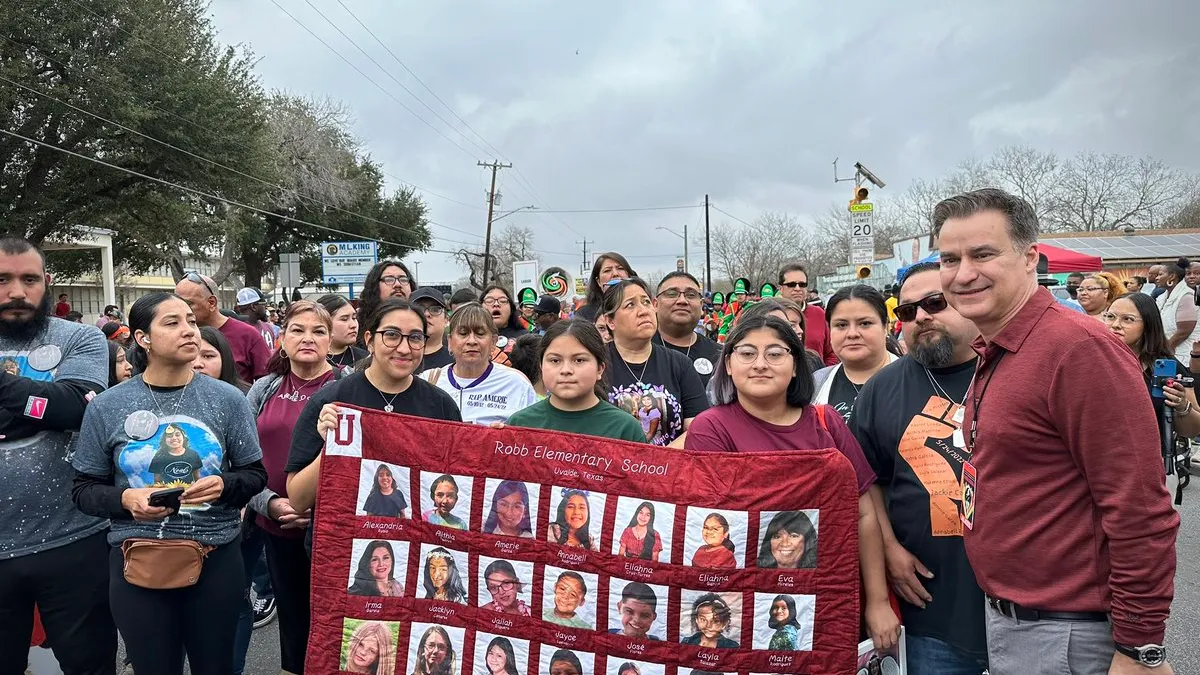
point(145, 477)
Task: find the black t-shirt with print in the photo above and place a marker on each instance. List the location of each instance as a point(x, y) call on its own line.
point(842, 393)
point(907, 432)
point(346, 360)
point(438, 359)
point(703, 353)
point(421, 399)
point(661, 396)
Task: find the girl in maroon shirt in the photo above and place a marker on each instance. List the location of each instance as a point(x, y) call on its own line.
point(763, 392)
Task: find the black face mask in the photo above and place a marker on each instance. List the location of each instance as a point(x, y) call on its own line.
point(29, 328)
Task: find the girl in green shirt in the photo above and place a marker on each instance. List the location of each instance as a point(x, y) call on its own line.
point(574, 360)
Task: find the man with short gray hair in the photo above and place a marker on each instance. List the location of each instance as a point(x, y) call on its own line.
point(1071, 535)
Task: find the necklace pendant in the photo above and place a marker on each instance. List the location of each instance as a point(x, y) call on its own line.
point(387, 407)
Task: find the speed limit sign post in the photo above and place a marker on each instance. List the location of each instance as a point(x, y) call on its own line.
point(862, 234)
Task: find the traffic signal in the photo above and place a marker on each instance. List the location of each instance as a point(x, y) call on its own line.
point(862, 271)
point(859, 195)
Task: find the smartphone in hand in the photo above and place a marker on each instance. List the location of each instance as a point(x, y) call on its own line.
point(168, 498)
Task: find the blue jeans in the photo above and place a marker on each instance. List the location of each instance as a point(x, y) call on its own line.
point(253, 553)
point(930, 656)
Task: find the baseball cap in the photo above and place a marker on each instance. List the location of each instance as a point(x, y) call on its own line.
point(115, 331)
point(428, 293)
point(547, 304)
point(249, 296)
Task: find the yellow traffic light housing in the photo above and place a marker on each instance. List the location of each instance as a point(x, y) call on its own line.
point(862, 271)
point(859, 196)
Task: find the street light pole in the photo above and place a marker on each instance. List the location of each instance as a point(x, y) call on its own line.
point(685, 243)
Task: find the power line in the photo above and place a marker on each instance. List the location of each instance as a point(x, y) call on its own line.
point(371, 80)
point(210, 130)
point(218, 198)
point(622, 210)
point(717, 208)
point(218, 164)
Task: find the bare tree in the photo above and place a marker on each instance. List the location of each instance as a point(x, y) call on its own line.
point(510, 245)
point(311, 146)
point(1033, 175)
point(758, 250)
point(1102, 191)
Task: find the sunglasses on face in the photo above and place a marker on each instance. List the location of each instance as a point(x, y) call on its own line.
point(794, 284)
point(932, 305)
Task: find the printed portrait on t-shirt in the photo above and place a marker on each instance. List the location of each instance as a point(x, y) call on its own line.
point(558, 661)
point(446, 499)
point(378, 567)
point(711, 620)
point(787, 539)
point(434, 649)
point(657, 409)
point(569, 597)
point(443, 575)
point(383, 490)
point(21, 366)
point(637, 610)
point(182, 451)
point(880, 662)
point(643, 529)
point(510, 507)
point(715, 537)
point(370, 646)
point(575, 517)
point(784, 622)
point(505, 586)
point(620, 666)
point(500, 655)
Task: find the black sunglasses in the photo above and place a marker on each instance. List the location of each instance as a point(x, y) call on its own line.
point(931, 304)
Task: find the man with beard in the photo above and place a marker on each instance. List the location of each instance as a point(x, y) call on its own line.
point(250, 353)
point(252, 304)
point(680, 306)
point(907, 419)
point(435, 654)
point(51, 555)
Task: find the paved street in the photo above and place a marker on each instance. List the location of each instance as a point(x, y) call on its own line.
point(1183, 632)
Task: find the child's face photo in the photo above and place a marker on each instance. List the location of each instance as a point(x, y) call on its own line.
point(636, 617)
point(568, 595)
point(708, 624)
point(713, 532)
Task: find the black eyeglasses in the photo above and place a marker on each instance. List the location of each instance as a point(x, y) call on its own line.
point(794, 284)
point(392, 338)
point(932, 305)
point(195, 278)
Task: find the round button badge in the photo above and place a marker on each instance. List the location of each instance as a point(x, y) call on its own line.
point(44, 358)
point(141, 424)
point(703, 366)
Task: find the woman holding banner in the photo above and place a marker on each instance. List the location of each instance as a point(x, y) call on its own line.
point(395, 336)
point(763, 391)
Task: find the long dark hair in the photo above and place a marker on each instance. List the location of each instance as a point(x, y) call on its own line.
point(514, 314)
point(364, 582)
point(113, 349)
point(567, 656)
point(648, 542)
point(791, 607)
point(455, 591)
point(526, 356)
point(792, 522)
point(800, 390)
point(863, 292)
point(504, 489)
point(369, 299)
point(583, 534)
point(726, 542)
point(615, 294)
point(229, 372)
point(595, 294)
point(510, 658)
point(1153, 345)
point(588, 336)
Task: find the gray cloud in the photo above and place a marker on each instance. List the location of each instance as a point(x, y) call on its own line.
point(748, 101)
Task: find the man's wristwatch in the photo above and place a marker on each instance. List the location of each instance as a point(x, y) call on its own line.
point(1151, 656)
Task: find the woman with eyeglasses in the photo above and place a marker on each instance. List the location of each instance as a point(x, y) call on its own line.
point(1096, 292)
point(343, 337)
point(1177, 305)
point(211, 454)
point(790, 312)
point(764, 402)
point(395, 337)
point(486, 392)
point(857, 318)
point(609, 267)
point(657, 385)
point(387, 279)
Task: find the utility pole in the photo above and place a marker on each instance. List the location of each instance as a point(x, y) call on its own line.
point(686, 264)
point(583, 267)
point(487, 240)
point(707, 251)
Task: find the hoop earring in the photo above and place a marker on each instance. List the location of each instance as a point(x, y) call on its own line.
point(282, 353)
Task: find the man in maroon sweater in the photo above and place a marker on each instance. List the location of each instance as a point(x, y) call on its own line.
point(1067, 520)
point(250, 353)
point(793, 281)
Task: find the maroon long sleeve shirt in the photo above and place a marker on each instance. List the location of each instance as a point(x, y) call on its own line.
point(1071, 507)
point(816, 334)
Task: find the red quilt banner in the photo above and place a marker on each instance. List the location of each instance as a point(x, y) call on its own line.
point(456, 549)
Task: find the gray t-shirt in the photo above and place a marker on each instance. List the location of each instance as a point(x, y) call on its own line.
point(202, 430)
point(36, 512)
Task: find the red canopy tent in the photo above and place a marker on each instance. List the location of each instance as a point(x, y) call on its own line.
point(1061, 260)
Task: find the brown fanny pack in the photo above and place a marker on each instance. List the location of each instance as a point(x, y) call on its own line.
point(163, 564)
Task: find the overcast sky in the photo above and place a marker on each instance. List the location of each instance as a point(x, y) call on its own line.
point(640, 103)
